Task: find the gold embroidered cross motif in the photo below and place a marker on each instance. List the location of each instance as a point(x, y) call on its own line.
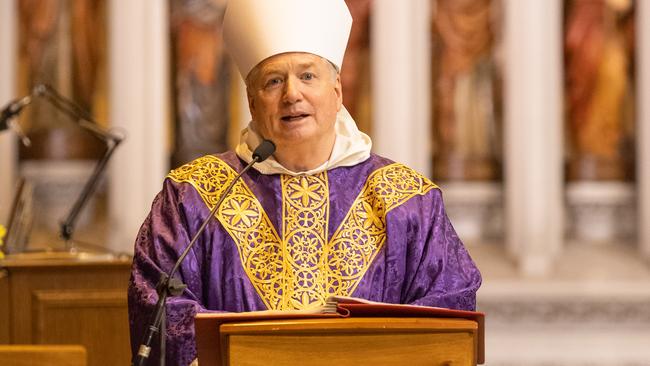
point(300, 269)
point(305, 217)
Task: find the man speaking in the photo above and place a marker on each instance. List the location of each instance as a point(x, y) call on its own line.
point(322, 216)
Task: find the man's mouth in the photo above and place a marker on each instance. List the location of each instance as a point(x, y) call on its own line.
point(294, 117)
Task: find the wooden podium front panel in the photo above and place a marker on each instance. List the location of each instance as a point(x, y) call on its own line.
point(85, 317)
point(376, 341)
point(49, 355)
point(5, 336)
point(65, 301)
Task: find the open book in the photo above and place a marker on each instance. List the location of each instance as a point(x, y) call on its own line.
point(354, 306)
point(331, 307)
point(336, 307)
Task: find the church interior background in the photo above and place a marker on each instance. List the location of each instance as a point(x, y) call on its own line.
point(533, 117)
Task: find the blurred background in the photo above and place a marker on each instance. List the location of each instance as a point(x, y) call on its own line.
point(532, 115)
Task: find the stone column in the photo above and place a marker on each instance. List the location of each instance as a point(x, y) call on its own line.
point(8, 153)
point(533, 133)
point(139, 96)
point(400, 51)
point(643, 124)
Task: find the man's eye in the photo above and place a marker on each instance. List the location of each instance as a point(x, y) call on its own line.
point(273, 82)
point(308, 76)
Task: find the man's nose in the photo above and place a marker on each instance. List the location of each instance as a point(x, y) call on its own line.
point(292, 93)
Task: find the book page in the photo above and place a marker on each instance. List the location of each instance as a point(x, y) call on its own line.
point(357, 300)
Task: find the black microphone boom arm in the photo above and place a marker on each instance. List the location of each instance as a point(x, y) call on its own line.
point(85, 121)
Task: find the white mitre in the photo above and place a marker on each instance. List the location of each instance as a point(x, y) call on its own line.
point(254, 30)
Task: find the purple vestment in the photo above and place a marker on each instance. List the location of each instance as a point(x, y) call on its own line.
point(377, 230)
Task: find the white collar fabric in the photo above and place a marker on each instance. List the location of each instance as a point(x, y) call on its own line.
point(351, 147)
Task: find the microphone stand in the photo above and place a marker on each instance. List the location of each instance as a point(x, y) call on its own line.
point(85, 121)
point(168, 285)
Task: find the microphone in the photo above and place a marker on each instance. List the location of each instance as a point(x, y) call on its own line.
point(9, 112)
point(265, 149)
point(170, 286)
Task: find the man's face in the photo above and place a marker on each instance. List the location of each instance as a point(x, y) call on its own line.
point(294, 99)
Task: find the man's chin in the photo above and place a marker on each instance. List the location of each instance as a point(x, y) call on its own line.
point(296, 132)
point(293, 139)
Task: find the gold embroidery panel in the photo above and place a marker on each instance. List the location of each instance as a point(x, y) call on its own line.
point(300, 270)
point(207, 174)
point(362, 233)
point(242, 216)
point(305, 217)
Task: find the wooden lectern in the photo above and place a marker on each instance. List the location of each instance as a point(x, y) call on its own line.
point(249, 339)
point(42, 355)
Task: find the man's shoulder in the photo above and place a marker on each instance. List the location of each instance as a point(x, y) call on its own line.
point(382, 163)
point(206, 166)
point(384, 170)
point(379, 160)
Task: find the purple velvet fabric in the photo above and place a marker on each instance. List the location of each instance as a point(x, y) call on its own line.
point(422, 261)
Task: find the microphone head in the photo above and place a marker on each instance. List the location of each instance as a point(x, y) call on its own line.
point(265, 149)
point(11, 110)
point(7, 114)
point(4, 123)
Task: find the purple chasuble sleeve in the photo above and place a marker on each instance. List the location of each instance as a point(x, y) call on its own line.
point(423, 261)
point(160, 241)
point(441, 272)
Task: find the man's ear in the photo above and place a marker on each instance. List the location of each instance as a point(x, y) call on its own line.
point(338, 89)
point(251, 101)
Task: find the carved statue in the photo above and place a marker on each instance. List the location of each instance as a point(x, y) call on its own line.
point(201, 77)
point(466, 133)
point(598, 46)
point(62, 44)
point(355, 71)
point(89, 46)
point(38, 22)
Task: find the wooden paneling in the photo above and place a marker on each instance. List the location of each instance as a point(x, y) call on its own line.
point(83, 317)
point(452, 349)
point(4, 308)
point(25, 281)
point(366, 341)
point(51, 355)
point(67, 301)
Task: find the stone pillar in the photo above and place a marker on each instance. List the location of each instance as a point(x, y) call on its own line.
point(400, 51)
point(8, 141)
point(643, 124)
point(139, 96)
point(533, 133)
